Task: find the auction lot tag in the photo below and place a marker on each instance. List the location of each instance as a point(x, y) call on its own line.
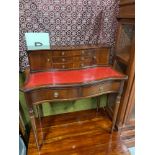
point(35, 41)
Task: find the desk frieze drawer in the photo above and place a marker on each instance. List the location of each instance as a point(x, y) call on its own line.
point(101, 88)
point(50, 94)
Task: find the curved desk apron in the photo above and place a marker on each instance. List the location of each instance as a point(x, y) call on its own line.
point(69, 84)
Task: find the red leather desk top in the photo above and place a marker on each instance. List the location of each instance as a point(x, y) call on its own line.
point(71, 76)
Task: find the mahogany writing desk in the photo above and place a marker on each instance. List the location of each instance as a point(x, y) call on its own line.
point(70, 74)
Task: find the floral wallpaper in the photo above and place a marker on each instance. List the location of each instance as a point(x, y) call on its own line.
point(68, 22)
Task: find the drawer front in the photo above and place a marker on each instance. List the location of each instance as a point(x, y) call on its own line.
point(65, 53)
point(86, 52)
point(102, 57)
point(39, 61)
point(71, 59)
point(75, 63)
point(62, 65)
point(47, 94)
point(89, 52)
point(100, 88)
point(84, 64)
point(71, 93)
point(62, 59)
point(84, 58)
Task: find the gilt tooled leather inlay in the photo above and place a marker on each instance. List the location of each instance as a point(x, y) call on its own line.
point(70, 77)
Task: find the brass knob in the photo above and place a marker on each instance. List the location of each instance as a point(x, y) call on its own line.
point(63, 66)
point(83, 52)
point(94, 57)
point(63, 53)
point(48, 60)
point(63, 59)
point(101, 89)
point(82, 65)
point(56, 94)
point(82, 58)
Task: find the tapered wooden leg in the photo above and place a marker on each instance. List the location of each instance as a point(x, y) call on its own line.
point(33, 123)
point(98, 103)
point(117, 103)
point(115, 112)
point(40, 108)
point(40, 121)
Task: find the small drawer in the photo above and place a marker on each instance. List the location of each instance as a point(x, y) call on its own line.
point(87, 58)
point(84, 63)
point(62, 53)
point(82, 58)
point(62, 59)
point(101, 88)
point(40, 61)
point(49, 94)
point(88, 52)
point(62, 65)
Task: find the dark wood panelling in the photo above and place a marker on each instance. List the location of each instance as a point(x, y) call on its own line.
point(127, 9)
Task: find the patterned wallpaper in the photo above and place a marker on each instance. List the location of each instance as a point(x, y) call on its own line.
point(68, 22)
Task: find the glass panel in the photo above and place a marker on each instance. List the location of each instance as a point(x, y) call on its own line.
point(121, 67)
point(127, 33)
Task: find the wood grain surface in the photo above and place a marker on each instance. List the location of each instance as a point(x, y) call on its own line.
point(79, 133)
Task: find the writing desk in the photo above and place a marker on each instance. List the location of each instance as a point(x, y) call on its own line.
point(70, 74)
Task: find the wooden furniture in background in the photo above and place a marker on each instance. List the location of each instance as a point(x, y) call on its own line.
point(70, 74)
point(125, 62)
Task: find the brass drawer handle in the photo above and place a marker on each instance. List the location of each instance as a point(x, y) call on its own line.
point(94, 57)
point(82, 58)
point(63, 53)
point(63, 59)
point(56, 94)
point(82, 65)
point(101, 89)
point(83, 52)
point(48, 60)
point(63, 66)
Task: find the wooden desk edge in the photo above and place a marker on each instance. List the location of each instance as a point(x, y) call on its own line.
point(73, 85)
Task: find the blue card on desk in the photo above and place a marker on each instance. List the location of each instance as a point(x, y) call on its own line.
point(35, 41)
